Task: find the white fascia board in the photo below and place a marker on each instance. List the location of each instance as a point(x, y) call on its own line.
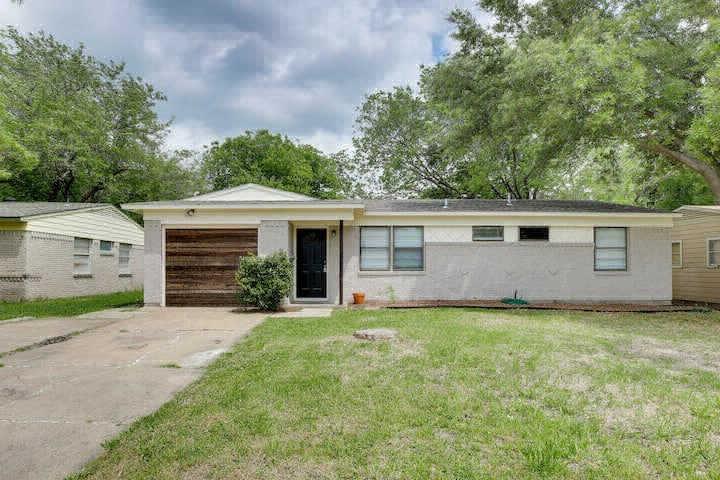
point(268, 205)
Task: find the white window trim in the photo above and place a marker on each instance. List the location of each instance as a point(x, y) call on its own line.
point(391, 266)
point(107, 253)
point(595, 249)
point(680, 242)
point(707, 252)
point(88, 255)
point(124, 270)
point(501, 238)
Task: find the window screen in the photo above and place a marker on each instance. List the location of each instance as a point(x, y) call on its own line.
point(488, 234)
point(81, 256)
point(408, 248)
point(676, 254)
point(374, 248)
point(124, 258)
point(713, 247)
point(610, 248)
point(535, 233)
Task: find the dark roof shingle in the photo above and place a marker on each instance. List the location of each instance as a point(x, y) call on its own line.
point(480, 205)
point(29, 209)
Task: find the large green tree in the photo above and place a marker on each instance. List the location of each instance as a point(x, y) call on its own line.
point(77, 128)
point(272, 160)
point(567, 75)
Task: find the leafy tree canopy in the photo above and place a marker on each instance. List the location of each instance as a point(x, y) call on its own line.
point(74, 128)
point(272, 160)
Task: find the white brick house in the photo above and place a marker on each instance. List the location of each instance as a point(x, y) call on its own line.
point(56, 249)
point(455, 249)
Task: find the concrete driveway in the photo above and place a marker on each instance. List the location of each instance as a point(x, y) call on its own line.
point(58, 402)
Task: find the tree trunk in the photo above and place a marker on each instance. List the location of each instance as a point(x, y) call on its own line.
point(710, 173)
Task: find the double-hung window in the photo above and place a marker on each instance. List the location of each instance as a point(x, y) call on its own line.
point(610, 248)
point(677, 254)
point(408, 248)
point(124, 259)
point(374, 248)
point(81, 256)
point(392, 248)
point(713, 252)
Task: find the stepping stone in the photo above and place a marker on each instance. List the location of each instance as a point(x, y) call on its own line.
point(375, 334)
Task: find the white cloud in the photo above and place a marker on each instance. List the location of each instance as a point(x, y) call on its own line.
point(298, 68)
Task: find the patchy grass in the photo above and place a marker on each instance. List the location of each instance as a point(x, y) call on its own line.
point(65, 307)
point(170, 365)
point(459, 394)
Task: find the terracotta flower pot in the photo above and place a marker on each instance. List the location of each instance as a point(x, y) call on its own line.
point(358, 298)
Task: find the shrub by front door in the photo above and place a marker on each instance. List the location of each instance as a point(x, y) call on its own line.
point(311, 263)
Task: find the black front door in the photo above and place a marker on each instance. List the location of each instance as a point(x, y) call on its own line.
point(311, 263)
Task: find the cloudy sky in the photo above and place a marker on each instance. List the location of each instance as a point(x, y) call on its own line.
point(296, 67)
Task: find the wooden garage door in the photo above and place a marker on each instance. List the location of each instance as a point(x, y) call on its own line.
point(200, 264)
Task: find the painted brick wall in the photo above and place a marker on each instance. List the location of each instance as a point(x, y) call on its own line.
point(273, 236)
point(153, 263)
point(49, 269)
point(13, 262)
point(538, 271)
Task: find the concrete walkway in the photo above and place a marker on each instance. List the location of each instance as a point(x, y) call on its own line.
point(59, 402)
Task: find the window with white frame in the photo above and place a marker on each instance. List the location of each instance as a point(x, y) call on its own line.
point(610, 248)
point(392, 248)
point(374, 248)
point(677, 254)
point(124, 258)
point(408, 248)
point(488, 234)
point(81, 256)
point(106, 247)
point(713, 252)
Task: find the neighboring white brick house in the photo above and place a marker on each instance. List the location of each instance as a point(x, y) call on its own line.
point(55, 249)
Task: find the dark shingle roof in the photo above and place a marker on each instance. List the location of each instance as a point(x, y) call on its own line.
point(29, 209)
point(479, 205)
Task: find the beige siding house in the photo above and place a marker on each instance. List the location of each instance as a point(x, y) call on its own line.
point(696, 254)
point(55, 249)
point(455, 249)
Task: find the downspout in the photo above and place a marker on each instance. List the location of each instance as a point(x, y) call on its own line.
point(340, 279)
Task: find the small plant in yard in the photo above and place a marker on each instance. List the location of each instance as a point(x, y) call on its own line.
point(264, 282)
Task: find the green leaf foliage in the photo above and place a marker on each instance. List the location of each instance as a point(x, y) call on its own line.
point(272, 160)
point(264, 282)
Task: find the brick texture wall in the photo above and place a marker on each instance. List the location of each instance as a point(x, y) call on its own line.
point(47, 269)
point(538, 271)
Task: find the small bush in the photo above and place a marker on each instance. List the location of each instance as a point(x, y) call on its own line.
point(264, 282)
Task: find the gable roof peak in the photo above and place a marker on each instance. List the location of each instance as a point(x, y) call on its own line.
point(250, 192)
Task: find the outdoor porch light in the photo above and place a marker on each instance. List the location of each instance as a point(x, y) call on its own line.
point(333, 233)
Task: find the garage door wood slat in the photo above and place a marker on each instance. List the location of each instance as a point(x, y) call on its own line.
point(200, 265)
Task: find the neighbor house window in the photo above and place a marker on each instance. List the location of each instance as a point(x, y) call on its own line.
point(408, 248)
point(124, 259)
point(488, 234)
point(610, 248)
point(81, 256)
point(374, 248)
point(106, 247)
point(535, 233)
point(713, 252)
point(677, 254)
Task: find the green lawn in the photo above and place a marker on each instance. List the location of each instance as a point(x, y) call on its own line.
point(63, 307)
point(461, 394)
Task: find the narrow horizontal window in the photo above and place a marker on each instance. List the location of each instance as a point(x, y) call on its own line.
point(677, 254)
point(713, 250)
point(535, 233)
point(488, 234)
point(408, 248)
point(374, 248)
point(124, 258)
point(610, 248)
point(81, 256)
